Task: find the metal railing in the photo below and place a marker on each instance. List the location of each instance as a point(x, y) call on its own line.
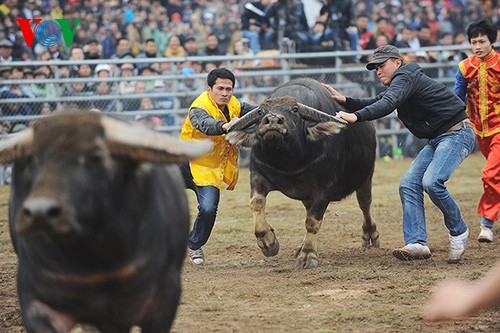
point(256, 76)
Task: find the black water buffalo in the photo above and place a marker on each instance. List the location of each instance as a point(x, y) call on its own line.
point(99, 223)
point(308, 155)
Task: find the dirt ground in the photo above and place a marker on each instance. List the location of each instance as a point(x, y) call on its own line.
point(240, 290)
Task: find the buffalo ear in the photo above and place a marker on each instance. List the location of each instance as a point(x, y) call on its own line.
point(317, 131)
point(242, 138)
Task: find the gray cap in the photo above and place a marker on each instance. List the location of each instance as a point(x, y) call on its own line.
point(6, 43)
point(382, 54)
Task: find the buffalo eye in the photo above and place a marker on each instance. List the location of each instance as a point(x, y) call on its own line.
point(260, 112)
point(96, 158)
point(295, 108)
point(92, 159)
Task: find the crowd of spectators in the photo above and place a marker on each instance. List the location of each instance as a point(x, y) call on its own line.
point(143, 29)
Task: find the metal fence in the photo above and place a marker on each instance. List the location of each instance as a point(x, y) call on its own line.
point(158, 91)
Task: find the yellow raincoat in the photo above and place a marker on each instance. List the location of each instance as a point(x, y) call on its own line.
point(221, 163)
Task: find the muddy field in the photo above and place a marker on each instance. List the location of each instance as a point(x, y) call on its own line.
point(239, 290)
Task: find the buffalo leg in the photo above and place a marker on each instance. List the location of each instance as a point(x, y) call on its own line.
point(306, 252)
point(266, 239)
point(370, 233)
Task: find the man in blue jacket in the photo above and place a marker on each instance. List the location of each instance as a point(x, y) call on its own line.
point(429, 110)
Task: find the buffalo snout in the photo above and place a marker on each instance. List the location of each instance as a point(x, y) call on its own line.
point(273, 119)
point(42, 215)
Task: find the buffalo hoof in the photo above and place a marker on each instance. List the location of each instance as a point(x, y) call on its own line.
point(270, 251)
point(372, 240)
point(307, 263)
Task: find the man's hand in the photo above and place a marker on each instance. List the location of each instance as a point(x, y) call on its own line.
point(349, 117)
point(335, 94)
point(229, 124)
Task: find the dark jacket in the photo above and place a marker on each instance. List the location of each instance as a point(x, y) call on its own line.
point(425, 106)
point(248, 14)
point(340, 14)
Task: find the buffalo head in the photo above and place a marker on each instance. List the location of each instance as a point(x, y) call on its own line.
point(278, 118)
point(81, 150)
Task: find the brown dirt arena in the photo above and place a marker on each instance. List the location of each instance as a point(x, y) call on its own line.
point(239, 290)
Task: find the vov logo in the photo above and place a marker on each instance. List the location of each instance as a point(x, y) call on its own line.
point(48, 32)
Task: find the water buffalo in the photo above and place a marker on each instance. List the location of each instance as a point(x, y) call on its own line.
point(98, 221)
point(308, 155)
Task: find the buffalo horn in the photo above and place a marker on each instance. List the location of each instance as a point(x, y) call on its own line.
point(138, 142)
point(16, 146)
point(247, 120)
point(310, 113)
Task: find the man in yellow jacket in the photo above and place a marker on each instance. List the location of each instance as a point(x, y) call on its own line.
point(209, 117)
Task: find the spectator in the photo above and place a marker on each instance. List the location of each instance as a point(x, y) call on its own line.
point(221, 30)
point(255, 25)
point(150, 51)
point(145, 104)
point(174, 48)
point(425, 36)
point(123, 49)
point(77, 55)
point(191, 46)
point(105, 105)
point(56, 53)
point(78, 89)
point(92, 51)
point(134, 35)
point(164, 102)
point(241, 48)
point(381, 28)
point(133, 104)
point(42, 89)
point(126, 87)
point(363, 32)
point(339, 18)
point(212, 48)
point(148, 71)
point(321, 37)
point(103, 70)
point(404, 39)
point(189, 85)
point(153, 31)
point(14, 108)
point(288, 19)
point(107, 41)
point(5, 72)
point(6, 51)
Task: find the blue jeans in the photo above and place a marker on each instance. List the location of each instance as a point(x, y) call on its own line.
point(429, 171)
point(257, 39)
point(208, 202)
point(253, 38)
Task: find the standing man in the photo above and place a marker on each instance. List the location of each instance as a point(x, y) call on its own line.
point(429, 110)
point(209, 117)
point(478, 79)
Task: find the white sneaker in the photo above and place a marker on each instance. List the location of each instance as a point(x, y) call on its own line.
point(457, 247)
point(486, 235)
point(412, 251)
point(197, 257)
